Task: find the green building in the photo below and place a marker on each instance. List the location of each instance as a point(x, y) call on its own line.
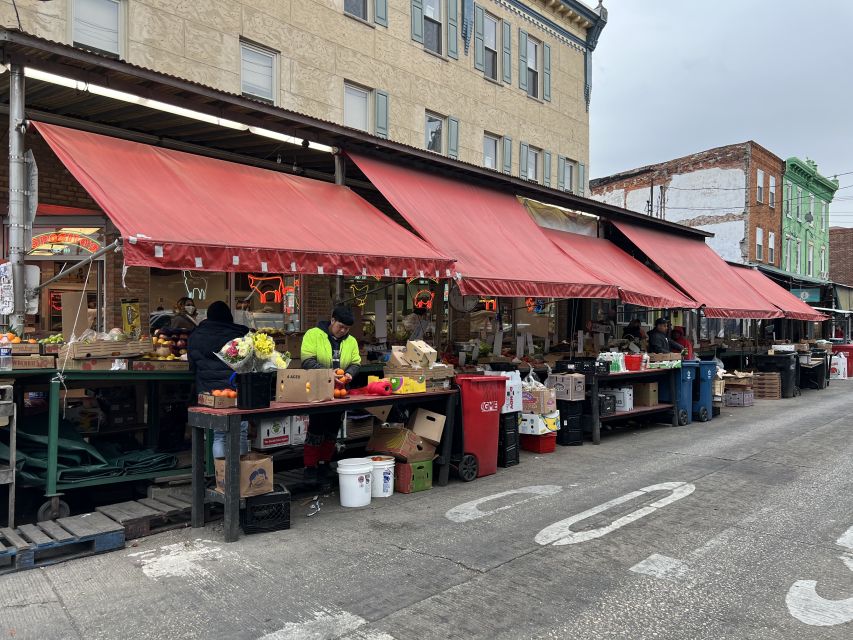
point(806, 196)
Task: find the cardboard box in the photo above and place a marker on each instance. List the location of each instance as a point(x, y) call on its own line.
point(297, 429)
point(567, 386)
point(271, 432)
point(420, 353)
point(255, 474)
point(305, 385)
point(216, 402)
point(398, 359)
point(410, 478)
point(401, 385)
point(159, 365)
point(381, 412)
point(646, 394)
point(664, 357)
point(538, 401)
point(513, 400)
point(404, 444)
point(33, 362)
point(428, 425)
point(624, 398)
point(93, 364)
point(25, 349)
point(534, 424)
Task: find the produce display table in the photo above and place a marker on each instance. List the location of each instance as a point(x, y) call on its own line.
point(54, 381)
point(228, 420)
point(594, 383)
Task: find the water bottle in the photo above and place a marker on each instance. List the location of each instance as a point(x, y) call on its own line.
point(5, 354)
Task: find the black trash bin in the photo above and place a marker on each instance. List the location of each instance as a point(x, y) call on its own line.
point(786, 365)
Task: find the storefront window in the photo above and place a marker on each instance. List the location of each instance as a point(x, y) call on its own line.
point(169, 286)
point(264, 301)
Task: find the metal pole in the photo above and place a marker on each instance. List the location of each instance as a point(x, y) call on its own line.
point(17, 195)
point(340, 169)
point(114, 246)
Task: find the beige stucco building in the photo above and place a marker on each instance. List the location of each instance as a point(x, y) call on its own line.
point(438, 74)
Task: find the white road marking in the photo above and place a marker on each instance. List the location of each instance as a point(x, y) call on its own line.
point(325, 625)
point(471, 510)
point(560, 533)
point(807, 606)
point(659, 566)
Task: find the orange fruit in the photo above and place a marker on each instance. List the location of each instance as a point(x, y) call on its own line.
point(216, 393)
point(339, 372)
point(231, 393)
point(16, 340)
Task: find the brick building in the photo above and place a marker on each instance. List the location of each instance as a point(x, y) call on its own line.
point(841, 255)
point(732, 191)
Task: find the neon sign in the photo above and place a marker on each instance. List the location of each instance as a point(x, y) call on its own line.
point(359, 294)
point(195, 285)
point(535, 305)
point(261, 286)
point(47, 241)
point(423, 299)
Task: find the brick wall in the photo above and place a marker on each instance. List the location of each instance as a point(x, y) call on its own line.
point(761, 214)
point(318, 296)
point(841, 255)
point(137, 285)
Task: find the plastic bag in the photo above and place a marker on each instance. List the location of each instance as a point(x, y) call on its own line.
point(239, 354)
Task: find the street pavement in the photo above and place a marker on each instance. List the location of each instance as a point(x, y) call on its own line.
point(738, 528)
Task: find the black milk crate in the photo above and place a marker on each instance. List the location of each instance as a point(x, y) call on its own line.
point(571, 431)
point(267, 512)
point(606, 404)
point(509, 456)
point(590, 367)
point(569, 408)
point(510, 421)
point(255, 389)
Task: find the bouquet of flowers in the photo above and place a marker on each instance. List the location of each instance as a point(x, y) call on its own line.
point(253, 352)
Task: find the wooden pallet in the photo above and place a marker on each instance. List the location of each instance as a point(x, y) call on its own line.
point(149, 515)
point(10, 542)
point(767, 386)
point(52, 541)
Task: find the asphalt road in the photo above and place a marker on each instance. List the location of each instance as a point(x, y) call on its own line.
point(737, 528)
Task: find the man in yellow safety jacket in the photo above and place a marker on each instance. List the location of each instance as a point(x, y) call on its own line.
point(327, 346)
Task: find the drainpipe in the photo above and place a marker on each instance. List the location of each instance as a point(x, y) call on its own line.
point(17, 193)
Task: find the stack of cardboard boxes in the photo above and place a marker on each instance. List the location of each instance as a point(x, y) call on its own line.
point(413, 446)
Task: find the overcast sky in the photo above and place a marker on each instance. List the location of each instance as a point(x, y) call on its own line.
point(673, 77)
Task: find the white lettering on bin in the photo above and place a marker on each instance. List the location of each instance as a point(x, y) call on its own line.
point(471, 510)
point(560, 533)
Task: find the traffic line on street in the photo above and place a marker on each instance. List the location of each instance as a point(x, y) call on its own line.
point(471, 510)
point(660, 566)
point(808, 607)
point(560, 533)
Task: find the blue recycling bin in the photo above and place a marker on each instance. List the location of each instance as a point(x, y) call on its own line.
point(683, 391)
point(703, 391)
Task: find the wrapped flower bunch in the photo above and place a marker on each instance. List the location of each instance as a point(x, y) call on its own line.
point(253, 352)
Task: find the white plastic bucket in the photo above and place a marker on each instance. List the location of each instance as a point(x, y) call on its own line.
point(383, 476)
point(354, 475)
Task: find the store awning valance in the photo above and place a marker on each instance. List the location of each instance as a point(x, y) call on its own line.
point(780, 297)
point(499, 249)
point(699, 271)
point(177, 210)
point(636, 282)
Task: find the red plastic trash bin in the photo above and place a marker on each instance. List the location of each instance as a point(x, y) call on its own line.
point(482, 398)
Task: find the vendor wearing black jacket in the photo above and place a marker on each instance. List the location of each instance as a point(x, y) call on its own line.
point(211, 373)
point(659, 341)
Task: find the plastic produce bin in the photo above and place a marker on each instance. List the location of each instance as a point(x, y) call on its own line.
point(787, 365)
point(481, 401)
point(703, 391)
point(683, 400)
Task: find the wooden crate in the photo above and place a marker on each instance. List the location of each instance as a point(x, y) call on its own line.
point(767, 385)
point(104, 349)
point(25, 349)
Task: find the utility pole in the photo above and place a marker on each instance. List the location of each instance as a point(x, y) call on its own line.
point(17, 193)
point(650, 205)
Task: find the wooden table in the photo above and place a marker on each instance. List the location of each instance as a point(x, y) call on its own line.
point(594, 382)
point(228, 421)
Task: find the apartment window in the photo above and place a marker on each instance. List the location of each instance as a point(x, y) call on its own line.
point(434, 132)
point(490, 46)
point(798, 203)
point(811, 208)
point(258, 71)
point(357, 8)
point(356, 107)
point(771, 248)
point(432, 25)
point(789, 247)
point(759, 244)
point(491, 144)
point(810, 261)
point(823, 268)
point(532, 67)
point(759, 186)
point(567, 175)
point(97, 24)
point(771, 194)
point(788, 197)
point(533, 156)
point(798, 256)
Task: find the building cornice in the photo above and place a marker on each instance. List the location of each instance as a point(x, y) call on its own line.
point(805, 175)
point(588, 19)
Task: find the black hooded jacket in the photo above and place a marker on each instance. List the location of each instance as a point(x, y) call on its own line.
point(208, 338)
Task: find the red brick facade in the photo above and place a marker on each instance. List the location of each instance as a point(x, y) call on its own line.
point(841, 255)
point(761, 214)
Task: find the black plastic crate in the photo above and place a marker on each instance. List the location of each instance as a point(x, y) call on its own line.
point(569, 408)
point(606, 404)
point(507, 438)
point(588, 367)
point(267, 512)
point(509, 456)
point(510, 420)
point(571, 431)
point(255, 389)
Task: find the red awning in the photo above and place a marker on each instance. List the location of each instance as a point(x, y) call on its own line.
point(780, 297)
point(703, 274)
point(176, 210)
point(499, 249)
point(637, 283)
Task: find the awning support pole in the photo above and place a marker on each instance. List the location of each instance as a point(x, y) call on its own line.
point(17, 195)
point(115, 246)
point(340, 169)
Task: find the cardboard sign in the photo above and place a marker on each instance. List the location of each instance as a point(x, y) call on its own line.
point(305, 385)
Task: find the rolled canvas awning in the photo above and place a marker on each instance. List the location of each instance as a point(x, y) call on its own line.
point(636, 282)
point(780, 297)
point(700, 272)
point(499, 249)
point(177, 210)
